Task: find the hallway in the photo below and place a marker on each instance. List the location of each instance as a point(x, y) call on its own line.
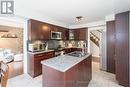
point(101, 78)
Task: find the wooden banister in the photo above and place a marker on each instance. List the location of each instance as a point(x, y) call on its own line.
point(94, 40)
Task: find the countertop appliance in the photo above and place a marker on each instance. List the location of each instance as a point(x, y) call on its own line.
point(56, 35)
point(35, 47)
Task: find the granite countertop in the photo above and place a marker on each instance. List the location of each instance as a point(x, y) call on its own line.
point(40, 52)
point(64, 62)
point(73, 47)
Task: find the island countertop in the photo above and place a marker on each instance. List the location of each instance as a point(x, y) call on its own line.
point(64, 62)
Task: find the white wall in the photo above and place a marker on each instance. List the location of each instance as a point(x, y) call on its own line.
point(94, 49)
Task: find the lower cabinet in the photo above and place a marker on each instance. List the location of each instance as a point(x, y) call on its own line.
point(69, 50)
point(77, 76)
point(34, 62)
point(76, 49)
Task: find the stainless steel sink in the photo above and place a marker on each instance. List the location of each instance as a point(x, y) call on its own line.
point(77, 54)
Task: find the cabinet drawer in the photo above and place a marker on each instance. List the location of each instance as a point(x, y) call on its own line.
point(50, 54)
point(39, 55)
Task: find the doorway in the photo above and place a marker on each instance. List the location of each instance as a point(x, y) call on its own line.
point(97, 46)
point(11, 49)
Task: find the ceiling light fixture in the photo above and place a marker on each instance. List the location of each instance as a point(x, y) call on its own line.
point(79, 18)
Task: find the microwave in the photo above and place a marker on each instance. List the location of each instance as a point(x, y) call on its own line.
point(55, 35)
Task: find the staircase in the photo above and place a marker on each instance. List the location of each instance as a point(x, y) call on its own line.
point(94, 39)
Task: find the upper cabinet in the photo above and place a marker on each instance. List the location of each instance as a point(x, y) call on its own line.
point(38, 30)
point(42, 31)
point(64, 33)
point(78, 34)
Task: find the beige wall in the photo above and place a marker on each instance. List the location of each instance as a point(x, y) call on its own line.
point(15, 44)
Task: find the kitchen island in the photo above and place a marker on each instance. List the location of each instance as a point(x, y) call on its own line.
point(67, 71)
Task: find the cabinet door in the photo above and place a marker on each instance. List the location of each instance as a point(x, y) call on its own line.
point(44, 31)
point(122, 48)
point(38, 65)
point(111, 46)
point(34, 33)
point(71, 34)
point(80, 33)
point(50, 55)
point(68, 50)
point(83, 34)
point(76, 49)
point(38, 30)
point(76, 34)
point(54, 28)
point(64, 32)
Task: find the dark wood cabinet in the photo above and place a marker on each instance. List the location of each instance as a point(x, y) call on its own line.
point(34, 62)
point(77, 76)
point(65, 33)
point(45, 31)
point(122, 49)
point(111, 40)
point(42, 31)
point(69, 50)
point(38, 30)
point(79, 34)
point(76, 49)
point(83, 34)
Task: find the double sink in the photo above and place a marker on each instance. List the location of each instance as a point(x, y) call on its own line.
point(77, 54)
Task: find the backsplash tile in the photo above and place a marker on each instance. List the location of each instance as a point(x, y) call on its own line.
point(55, 43)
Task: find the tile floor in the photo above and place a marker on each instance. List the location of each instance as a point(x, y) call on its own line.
point(100, 79)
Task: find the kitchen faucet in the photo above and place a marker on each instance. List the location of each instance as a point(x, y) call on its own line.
point(84, 48)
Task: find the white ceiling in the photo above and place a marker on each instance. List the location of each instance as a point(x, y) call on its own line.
point(65, 11)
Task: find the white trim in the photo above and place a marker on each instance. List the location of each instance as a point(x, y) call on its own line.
point(92, 24)
point(129, 48)
point(110, 17)
point(25, 38)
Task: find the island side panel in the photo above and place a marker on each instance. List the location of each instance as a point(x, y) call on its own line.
point(71, 77)
point(80, 75)
point(88, 69)
point(52, 77)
